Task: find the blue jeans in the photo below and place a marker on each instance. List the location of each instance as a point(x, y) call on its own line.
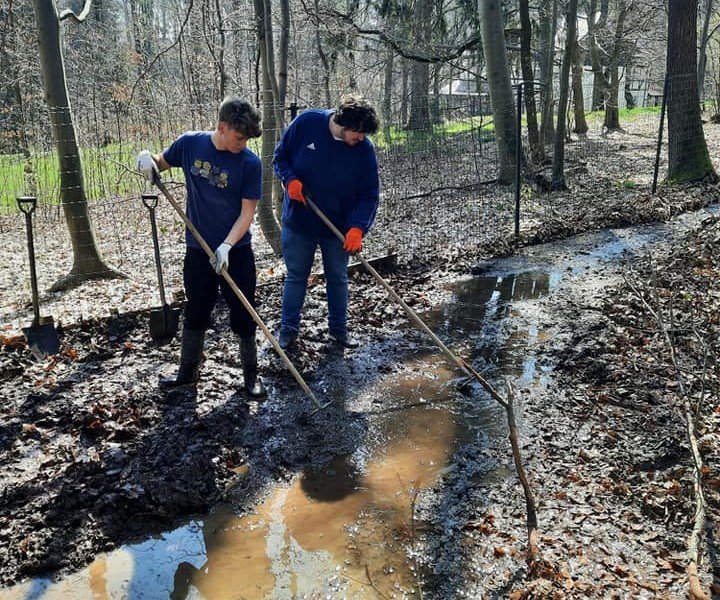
point(299, 253)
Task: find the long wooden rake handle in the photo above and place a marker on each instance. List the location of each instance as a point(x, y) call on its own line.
point(240, 295)
point(461, 364)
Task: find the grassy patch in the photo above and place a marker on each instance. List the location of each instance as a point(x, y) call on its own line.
point(626, 114)
point(410, 140)
point(109, 172)
point(626, 184)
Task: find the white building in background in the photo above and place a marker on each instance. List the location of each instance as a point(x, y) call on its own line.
point(635, 84)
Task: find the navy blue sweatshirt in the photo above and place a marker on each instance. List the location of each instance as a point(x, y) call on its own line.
point(341, 179)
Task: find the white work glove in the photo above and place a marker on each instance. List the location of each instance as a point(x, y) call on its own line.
point(146, 165)
point(222, 257)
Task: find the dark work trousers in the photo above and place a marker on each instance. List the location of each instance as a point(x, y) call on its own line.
point(201, 288)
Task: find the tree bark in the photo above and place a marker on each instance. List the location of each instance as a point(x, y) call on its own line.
point(87, 261)
point(581, 126)
point(387, 92)
point(596, 29)
point(501, 94)
point(284, 52)
point(222, 72)
point(324, 59)
point(688, 158)
point(612, 101)
point(419, 118)
point(266, 208)
point(536, 148)
point(405, 93)
point(548, 26)
point(435, 115)
point(558, 171)
point(704, 38)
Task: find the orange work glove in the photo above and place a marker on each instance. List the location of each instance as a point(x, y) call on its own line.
point(295, 190)
point(353, 240)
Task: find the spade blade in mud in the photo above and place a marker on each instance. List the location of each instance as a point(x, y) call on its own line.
point(164, 323)
point(42, 338)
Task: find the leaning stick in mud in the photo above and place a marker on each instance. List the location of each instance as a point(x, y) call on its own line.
point(245, 302)
point(454, 358)
point(506, 402)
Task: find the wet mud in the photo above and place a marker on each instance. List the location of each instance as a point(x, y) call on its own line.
point(115, 490)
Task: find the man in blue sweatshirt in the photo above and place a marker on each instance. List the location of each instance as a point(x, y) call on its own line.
point(223, 179)
point(325, 154)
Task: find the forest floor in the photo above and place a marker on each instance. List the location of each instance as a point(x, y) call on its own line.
point(95, 456)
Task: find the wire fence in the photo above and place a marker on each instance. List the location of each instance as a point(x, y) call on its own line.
point(437, 187)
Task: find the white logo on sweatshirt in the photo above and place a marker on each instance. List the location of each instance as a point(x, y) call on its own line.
point(311, 145)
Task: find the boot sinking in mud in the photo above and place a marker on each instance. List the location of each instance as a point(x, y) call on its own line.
point(191, 359)
point(251, 382)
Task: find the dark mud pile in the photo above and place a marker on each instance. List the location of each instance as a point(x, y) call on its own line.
point(96, 455)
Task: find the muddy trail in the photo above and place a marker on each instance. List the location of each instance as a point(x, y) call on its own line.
point(405, 484)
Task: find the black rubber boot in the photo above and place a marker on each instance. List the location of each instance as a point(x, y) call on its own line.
point(248, 354)
point(191, 358)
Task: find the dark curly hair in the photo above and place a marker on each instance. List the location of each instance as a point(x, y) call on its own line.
point(241, 116)
point(356, 114)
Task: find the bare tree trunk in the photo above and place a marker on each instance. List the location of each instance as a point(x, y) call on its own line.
point(548, 26)
point(536, 148)
point(581, 126)
point(222, 73)
point(595, 29)
point(419, 118)
point(435, 115)
point(612, 113)
point(558, 172)
point(387, 93)
point(283, 50)
point(702, 60)
point(405, 92)
point(420, 75)
point(688, 158)
point(501, 95)
point(268, 54)
point(323, 59)
point(266, 208)
point(87, 261)
point(612, 103)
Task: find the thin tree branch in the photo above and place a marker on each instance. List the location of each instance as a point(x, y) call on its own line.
point(68, 13)
point(162, 52)
point(423, 57)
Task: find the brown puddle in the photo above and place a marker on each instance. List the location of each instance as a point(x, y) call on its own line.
point(340, 530)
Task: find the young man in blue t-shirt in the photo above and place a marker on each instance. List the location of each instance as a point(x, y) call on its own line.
point(223, 181)
point(325, 154)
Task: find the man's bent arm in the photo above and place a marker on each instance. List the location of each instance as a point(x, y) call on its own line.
point(243, 222)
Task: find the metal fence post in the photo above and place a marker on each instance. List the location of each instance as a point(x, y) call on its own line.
point(293, 110)
point(518, 154)
point(660, 133)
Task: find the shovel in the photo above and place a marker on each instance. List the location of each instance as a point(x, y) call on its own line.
point(41, 336)
point(245, 302)
point(163, 320)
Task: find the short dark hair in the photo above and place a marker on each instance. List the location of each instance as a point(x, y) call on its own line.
point(356, 114)
point(241, 116)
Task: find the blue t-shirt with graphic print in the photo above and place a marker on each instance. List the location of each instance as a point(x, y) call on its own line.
point(216, 182)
